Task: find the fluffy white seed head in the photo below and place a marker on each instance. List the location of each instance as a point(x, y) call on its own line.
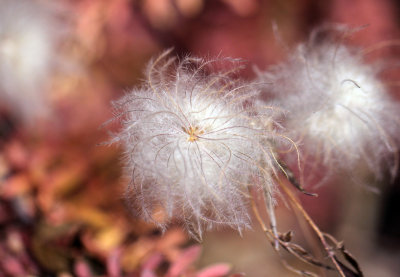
point(193, 143)
point(337, 106)
point(29, 33)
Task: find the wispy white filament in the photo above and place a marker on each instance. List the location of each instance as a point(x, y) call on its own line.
point(193, 144)
point(337, 105)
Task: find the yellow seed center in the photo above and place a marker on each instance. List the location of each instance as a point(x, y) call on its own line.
point(193, 132)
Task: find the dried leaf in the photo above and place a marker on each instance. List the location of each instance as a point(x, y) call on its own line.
point(82, 269)
point(136, 252)
point(108, 238)
point(15, 186)
point(286, 237)
point(307, 257)
point(188, 256)
point(153, 262)
point(216, 270)
point(113, 263)
point(347, 271)
point(350, 258)
point(12, 266)
point(147, 273)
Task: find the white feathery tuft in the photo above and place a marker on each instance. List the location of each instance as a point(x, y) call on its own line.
point(337, 106)
point(193, 144)
point(29, 35)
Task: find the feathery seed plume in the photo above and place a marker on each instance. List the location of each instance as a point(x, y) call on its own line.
point(336, 104)
point(29, 35)
point(193, 143)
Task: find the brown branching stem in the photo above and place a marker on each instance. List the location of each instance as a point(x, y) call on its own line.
point(292, 179)
point(312, 224)
point(284, 242)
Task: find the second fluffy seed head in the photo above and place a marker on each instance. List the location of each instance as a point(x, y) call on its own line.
point(337, 105)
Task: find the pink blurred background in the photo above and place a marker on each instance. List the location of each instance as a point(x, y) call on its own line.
point(61, 207)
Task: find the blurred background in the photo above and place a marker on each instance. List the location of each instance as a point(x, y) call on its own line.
point(62, 211)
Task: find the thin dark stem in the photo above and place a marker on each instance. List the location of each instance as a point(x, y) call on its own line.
point(312, 224)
